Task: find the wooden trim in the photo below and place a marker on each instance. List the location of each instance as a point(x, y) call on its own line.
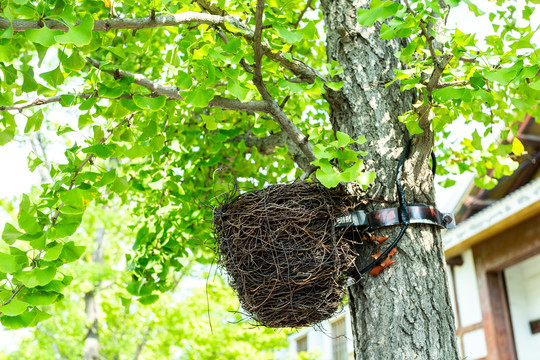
point(494, 230)
point(465, 329)
point(510, 247)
point(491, 258)
point(535, 326)
point(496, 316)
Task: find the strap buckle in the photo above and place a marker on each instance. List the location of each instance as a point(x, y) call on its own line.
point(418, 214)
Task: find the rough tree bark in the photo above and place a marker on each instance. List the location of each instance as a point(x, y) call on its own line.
point(405, 312)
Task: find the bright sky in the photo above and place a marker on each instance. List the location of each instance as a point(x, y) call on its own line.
point(16, 179)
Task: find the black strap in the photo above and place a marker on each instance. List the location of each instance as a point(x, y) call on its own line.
point(403, 212)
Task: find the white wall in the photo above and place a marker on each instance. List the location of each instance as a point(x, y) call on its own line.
point(468, 298)
point(319, 338)
point(523, 288)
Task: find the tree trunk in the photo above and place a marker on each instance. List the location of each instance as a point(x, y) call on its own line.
point(91, 341)
point(405, 312)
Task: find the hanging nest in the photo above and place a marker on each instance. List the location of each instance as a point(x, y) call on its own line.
point(284, 258)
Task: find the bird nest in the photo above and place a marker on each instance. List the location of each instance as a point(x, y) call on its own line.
point(284, 257)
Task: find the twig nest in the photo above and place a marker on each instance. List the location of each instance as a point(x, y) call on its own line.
point(284, 257)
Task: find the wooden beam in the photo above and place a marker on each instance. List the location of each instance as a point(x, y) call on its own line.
point(505, 249)
point(530, 212)
point(529, 139)
point(463, 330)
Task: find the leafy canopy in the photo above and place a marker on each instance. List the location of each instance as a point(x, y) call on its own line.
point(175, 106)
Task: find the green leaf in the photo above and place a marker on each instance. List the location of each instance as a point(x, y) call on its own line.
point(53, 252)
point(111, 93)
point(10, 234)
point(120, 185)
point(184, 80)
point(366, 178)
point(15, 307)
point(33, 161)
point(71, 252)
point(43, 36)
point(101, 150)
point(476, 140)
point(485, 182)
point(148, 103)
point(137, 151)
point(79, 35)
point(74, 62)
point(36, 277)
point(29, 83)
point(106, 179)
point(7, 135)
point(414, 127)
point(449, 93)
point(506, 75)
point(27, 221)
point(199, 97)
point(336, 86)
point(34, 122)
point(329, 180)
point(536, 84)
point(290, 36)
point(343, 139)
point(237, 90)
point(53, 77)
point(8, 264)
point(447, 183)
point(149, 299)
point(76, 198)
point(26, 319)
point(517, 147)
point(40, 298)
point(379, 10)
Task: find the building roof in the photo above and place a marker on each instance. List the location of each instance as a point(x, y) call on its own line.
point(501, 215)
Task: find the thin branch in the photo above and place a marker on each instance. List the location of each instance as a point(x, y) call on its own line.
point(459, 83)
point(126, 23)
point(166, 162)
point(303, 71)
point(257, 52)
point(468, 60)
point(265, 145)
point(292, 131)
point(426, 34)
point(90, 156)
point(140, 346)
point(276, 111)
point(17, 290)
point(308, 5)
point(219, 18)
point(173, 92)
point(58, 98)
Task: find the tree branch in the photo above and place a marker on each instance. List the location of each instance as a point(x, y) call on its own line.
point(125, 23)
point(140, 346)
point(426, 34)
point(304, 72)
point(90, 156)
point(308, 5)
point(275, 110)
point(265, 145)
point(467, 60)
point(173, 92)
point(17, 290)
point(460, 83)
point(58, 98)
point(215, 18)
